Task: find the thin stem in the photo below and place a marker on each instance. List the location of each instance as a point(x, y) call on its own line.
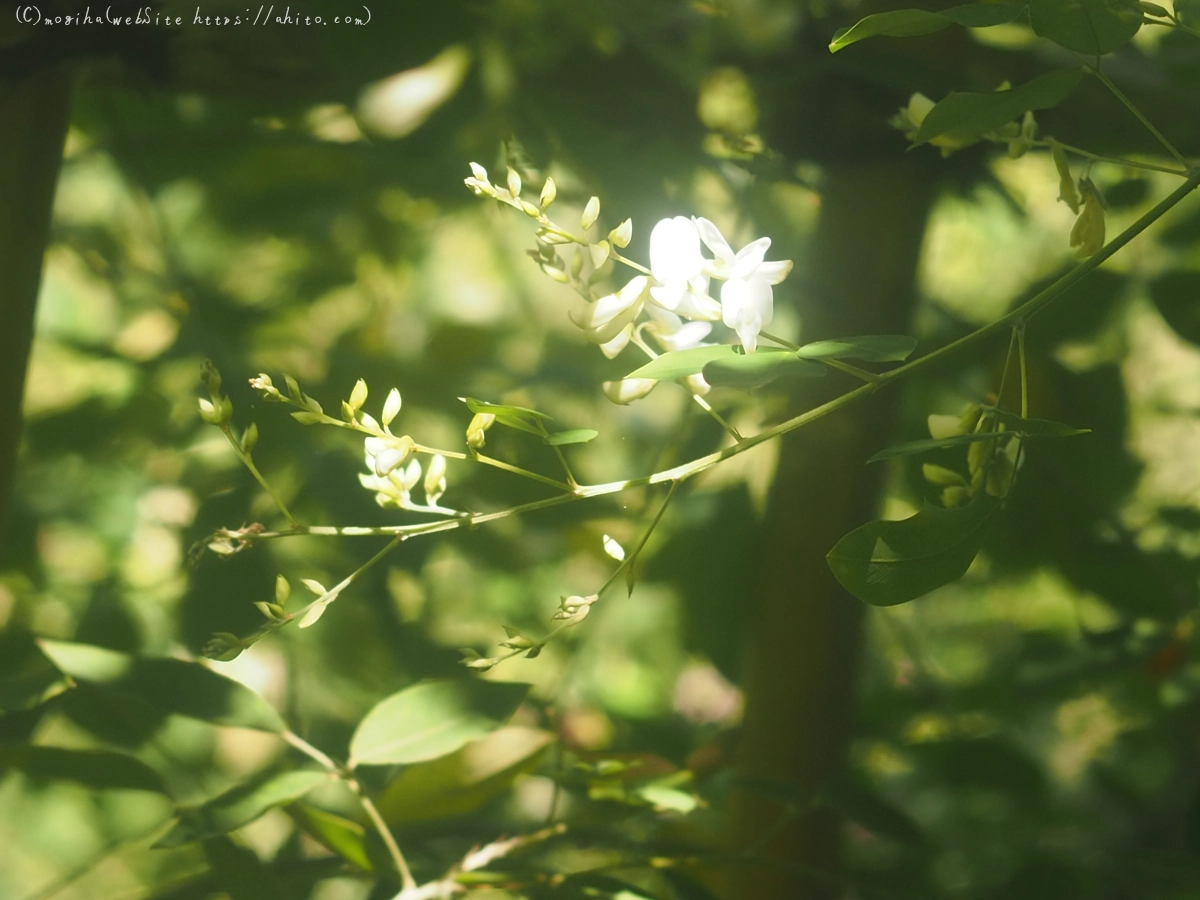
point(516, 470)
point(631, 558)
point(679, 473)
point(407, 882)
point(629, 262)
point(861, 374)
point(1114, 160)
point(1116, 92)
point(1019, 331)
point(333, 593)
point(248, 462)
point(778, 340)
point(1012, 343)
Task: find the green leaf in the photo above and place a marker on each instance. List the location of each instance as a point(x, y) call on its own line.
point(756, 369)
point(1091, 27)
point(460, 783)
point(345, 837)
point(240, 872)
point(578, 436)
point(432, 719)
point(170, 686)
point(868, 347)
point(681, 363)
point(98, 769)
point(241, 805)
point(667, 797)
point(913, 22)
point(886, 563)
point(1024, 428)
point(496, 409)
point(965, 116)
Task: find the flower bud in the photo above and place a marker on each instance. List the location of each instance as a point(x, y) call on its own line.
point(591, 212)
point(391, 406)
point(1066, 183)
point(514, 182)
point(262, 384)
point(627, 390)
point(250, 439)
point(1087, 237)
point(476, 431)
point(358, 396)
point(598, 253)
point(954, 497)
point(1153, 9)
point(410, 475)
point(435, 478)
point(941, 426)
point(622, 234)
point(549, 192)
point(224, 647)
point(941, 476)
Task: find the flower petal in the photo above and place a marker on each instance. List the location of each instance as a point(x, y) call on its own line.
point(750, 258)
point(617, 344)
point(714, 240)
point(774, 272)
point(675, 250)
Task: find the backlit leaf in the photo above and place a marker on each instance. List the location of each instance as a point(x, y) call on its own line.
point(578, 436)
point(681, 363)
point(868, 347)
point(757, 369)
point(912, 22)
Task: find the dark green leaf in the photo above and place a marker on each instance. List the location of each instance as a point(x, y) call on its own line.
point(912, 22)
point(1092, 27)
point(432, 719)
point(241, 805)
point(885, 563)
point(965, 116)
point(1177, 296)
point(1034, 428)
point(240, 872)
point(578, 436)
point(98, 769)
point(869, 348)
point(914, 448)
point(466, 779)
point(681, 363)
point(171, 686)
point(756, 369)
point(345, 837)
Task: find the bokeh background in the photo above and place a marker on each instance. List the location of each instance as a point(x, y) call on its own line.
point(291, 200)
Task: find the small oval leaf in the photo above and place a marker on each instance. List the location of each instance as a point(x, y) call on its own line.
point(886, 563)
point(966, 116)
point(432, 719)
point(1092, 27)
point(868, 348)
point(578, 436)
point(681, 363)
point(913, 22)
point(757, 369)
point(241, 805)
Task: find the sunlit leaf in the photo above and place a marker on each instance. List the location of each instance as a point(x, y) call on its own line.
point(681, 363)
point(344, 837)
point(241, 805)
point(885, 563)
point(97, 769)
point(170, 686)
point(466, 779)
point(432, 719)
point(913, 22)
point(965, 116)
point(757, 369)
point(1092, 27)
point(578, 436)
point(868, 347)
point(496, 409)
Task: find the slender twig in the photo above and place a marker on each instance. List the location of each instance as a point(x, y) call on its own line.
point(407, 882)
point(631, 557)
point(1012, 344)
point(1114, 160)
point(516, 470)
point(248, 462)
point(1116, 92)
point(1019, 331)
point(682, 472)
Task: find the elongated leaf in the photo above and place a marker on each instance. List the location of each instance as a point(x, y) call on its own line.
point(345, 837)
point(681, 363)
point(1092, 27)
point(432, 719)
point(868, 347)
point(170, 686)
point(912, 22)
point(98, 769)
point(578, 436)
point(756, 369)
point(466, 779)
point(886, 563)
point(966, 116)
point(1015, 425)
point(241, 805)
point(497, 409)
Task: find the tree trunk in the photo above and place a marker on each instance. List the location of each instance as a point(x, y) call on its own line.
point(34, 112)
point(806, 639)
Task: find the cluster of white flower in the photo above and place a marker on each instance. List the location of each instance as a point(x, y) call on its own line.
point(675, 295)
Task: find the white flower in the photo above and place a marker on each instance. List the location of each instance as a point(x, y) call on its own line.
point(676, 262)
point(747, 301)
point(604, 320)
point(673, 333)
